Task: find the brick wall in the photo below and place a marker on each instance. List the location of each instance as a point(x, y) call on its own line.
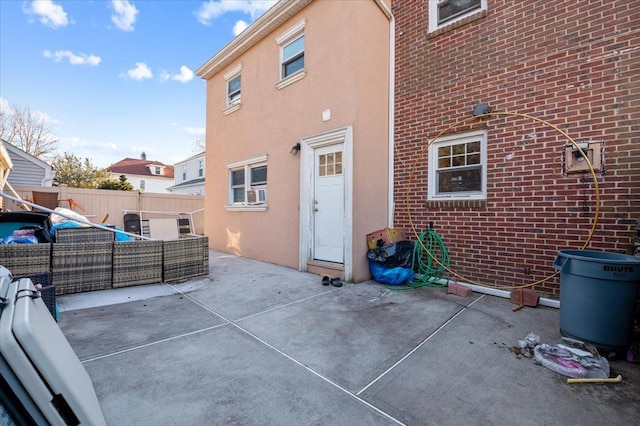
point(574, 64)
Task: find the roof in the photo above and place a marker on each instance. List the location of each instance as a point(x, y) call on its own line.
point(191, 182)
point(263, 26)
point(136, 166)
point(193, 157)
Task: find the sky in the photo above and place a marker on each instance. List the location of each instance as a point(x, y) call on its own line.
point(115, 78)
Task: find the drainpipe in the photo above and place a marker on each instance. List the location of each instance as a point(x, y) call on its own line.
point(392, 61)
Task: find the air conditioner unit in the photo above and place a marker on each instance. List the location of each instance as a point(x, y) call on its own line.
point(257, 196)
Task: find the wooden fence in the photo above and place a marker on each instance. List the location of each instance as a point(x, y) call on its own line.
point(98, 203)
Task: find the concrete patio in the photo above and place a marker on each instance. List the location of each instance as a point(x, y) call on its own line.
point(260, 344)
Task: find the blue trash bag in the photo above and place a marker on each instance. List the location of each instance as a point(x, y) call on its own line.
point(391, 276)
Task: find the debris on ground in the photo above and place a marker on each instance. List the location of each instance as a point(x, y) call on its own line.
point(572, 358)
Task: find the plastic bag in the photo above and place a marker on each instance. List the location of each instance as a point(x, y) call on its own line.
point(572, 358)
point(392, 276)
point(396, 254)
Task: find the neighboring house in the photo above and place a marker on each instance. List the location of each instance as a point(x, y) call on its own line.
point(27, 169)
point(145, 175)
point(298, 159)
point(505, 191)
point(189, 176)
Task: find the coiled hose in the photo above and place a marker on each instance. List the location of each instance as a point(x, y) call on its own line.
point(430, 261)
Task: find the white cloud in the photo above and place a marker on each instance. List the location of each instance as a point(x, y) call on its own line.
point(51, 14)
point(124, 14)
point(215, 8)
point(80, 59)
point(140, 72)
point(239, 27)
point(164, 75)
point(185, 75)
point(6, 108)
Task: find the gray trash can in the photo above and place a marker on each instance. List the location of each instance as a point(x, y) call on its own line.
point(598, 293)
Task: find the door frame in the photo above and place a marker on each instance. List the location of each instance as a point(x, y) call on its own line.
point(343, 135)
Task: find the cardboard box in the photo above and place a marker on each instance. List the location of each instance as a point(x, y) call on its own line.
point(387, 235)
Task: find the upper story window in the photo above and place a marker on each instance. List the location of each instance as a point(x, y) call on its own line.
point(293, 57)
point(292, 54)
point(200, 168)
point(184, 172)
point(233, 80)
point(458, 167)
point(248, 184)
point(157, 170)
point(233, 89)
point(445, 12)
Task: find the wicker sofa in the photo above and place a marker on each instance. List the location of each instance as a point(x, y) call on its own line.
point(88, 259)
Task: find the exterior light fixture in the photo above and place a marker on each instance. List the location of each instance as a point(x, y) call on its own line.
point(295, 149)
point(481, 109)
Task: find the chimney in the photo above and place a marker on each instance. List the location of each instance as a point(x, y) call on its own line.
point(143, 156)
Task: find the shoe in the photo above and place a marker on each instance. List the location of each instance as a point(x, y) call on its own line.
point(336, 282)
point(326, 280)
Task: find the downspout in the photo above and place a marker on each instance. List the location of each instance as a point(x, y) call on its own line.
point(392, 61)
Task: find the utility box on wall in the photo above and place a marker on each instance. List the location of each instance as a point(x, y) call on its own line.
point(574, 161)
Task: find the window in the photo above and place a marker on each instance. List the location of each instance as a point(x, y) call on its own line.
point(233, 90)
point(157, 170)
point(200, 168)
point(457, 167)
point(142, 184)
point(445, 12)
point(248, 183)
point(292, 54)
point(233, 80)
point(184, 172)
point(293, 57)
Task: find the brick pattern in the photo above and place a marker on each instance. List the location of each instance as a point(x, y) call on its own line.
point(573, 64)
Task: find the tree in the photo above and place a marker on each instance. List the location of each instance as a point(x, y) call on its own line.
point(27, 130)
point(77, 173)
point(200, 145)
point(116, 185)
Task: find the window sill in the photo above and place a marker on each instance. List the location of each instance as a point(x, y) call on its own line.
point(232, 108)
point(457, 24)
point(246, 208)
point(299, 75)
point(457, 203)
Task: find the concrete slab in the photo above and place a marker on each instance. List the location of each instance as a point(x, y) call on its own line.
point(352, 334)
point(466, 374)
point(215, 377)
point(102, 330)
point(262, 344)
point(241, 287)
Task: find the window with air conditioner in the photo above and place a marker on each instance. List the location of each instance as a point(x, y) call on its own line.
point(248, 184)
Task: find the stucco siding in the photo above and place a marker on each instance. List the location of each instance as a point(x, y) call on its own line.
point(344, 45)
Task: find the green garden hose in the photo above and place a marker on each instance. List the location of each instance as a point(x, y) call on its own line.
point(430, 262)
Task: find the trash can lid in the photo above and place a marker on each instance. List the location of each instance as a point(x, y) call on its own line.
point(600, 256)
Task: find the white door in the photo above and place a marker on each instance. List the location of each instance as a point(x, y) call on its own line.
point(328, 204)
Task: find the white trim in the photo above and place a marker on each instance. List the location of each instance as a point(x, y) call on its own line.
point(308, 145)
point(433, 15)
point(232, 72)
point(391, 142)
point(236, 106)
point(433, 159)
point(292, 32)
point(256, 159)
point(298, 75)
